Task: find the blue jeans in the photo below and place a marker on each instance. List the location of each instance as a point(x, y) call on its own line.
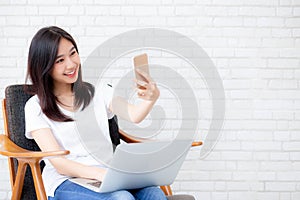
point(69, 190)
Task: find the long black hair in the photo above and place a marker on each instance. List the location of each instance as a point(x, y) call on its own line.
point(41, 58)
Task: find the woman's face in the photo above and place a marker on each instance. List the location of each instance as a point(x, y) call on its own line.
point(66, 65)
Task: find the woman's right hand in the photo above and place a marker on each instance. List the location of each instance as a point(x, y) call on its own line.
point(100, 173)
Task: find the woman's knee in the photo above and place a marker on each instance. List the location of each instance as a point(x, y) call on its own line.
point(151, 193)
point(122, 194)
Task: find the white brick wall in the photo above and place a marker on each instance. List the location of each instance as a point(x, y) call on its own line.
point(255, 46)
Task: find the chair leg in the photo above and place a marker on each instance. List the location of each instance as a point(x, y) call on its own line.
point(166, 189)
point(38, 182)
point(18, 184)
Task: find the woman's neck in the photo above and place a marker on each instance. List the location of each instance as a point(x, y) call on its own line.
point(63, 90)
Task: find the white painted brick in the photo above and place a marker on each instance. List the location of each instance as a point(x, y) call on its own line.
point(291, 146)
point(76, 10)
point(281, 33)
point(283, 63)
point(220, 185)
point(281, 136)
point(223, 52)
point(192, 175)
point(278, 42)
point(289, 53)
point(282, 125)
point(16, 20)
point(216, 11)
point(262, 115)
point(235, 186)
point(257, 11)
point(288, 176)
point(219, 195)
point(198, 186)
point(297, 43)
point(10, 73)
point(268, 52)
point(276, 166)
point(184, 2)
point(267, 196)
point(294, 135)
point(265, 175)
point(5, 2)
point(80, 2)
point(288, 74)
point(228, 21)
point(280, 156)
point(53, 10)
point(127, 10)
point(145, 11)
point(294, 125)
point(284, 11)
point(285, 195)
point(66, 21)
point(150, 21)
point(143, 2)
point(180, 20)
point(188, 10)
point(283, 84)
point(292, 22)
point(280, 186)
point(3, 195)
point(270, 22)
point(248, 166)
point(32, 10)
point(12, 10)
point(35, 2)
point(96, 10)
point(295, 195)
point(18, 31)
point(86, 20)
point(259, 155)
point(235, 195)
point(221, 176)
point(296, 11)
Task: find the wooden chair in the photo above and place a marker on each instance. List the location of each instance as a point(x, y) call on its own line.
point(27, 184)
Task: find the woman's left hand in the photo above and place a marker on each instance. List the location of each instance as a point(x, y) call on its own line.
point(147, 90)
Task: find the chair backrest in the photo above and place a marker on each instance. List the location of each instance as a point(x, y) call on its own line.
point(15, 100)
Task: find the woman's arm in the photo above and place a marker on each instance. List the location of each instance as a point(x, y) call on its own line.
point(147, 91)
point(47, 142)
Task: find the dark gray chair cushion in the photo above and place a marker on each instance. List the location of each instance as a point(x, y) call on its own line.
point(180, 197)
point(15, 102)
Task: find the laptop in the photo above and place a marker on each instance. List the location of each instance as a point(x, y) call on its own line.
point(139, 165)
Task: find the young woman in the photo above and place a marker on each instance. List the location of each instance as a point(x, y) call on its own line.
point(54, 70)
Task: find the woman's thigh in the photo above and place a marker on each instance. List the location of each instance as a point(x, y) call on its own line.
point(149, 193)
point(69, 190)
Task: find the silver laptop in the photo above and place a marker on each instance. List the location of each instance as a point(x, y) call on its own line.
point(139, 165)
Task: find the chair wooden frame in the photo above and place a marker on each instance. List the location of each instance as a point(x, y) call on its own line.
point(33, 158)
point(24, 158)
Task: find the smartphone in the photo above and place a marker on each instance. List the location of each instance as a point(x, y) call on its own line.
point(141, 62)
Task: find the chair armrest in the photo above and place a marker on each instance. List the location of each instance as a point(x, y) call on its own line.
point(197, 143)
point(131, 139)
point(10, 149)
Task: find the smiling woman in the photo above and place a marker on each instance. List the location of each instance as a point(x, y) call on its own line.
point(53, 54)
point(54, 69)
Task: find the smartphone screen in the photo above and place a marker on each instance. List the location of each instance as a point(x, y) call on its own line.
point(141, 63)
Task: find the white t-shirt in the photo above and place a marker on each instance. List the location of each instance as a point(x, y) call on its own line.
point(66, 134)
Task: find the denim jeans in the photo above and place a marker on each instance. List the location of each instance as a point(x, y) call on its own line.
point(69, 190)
